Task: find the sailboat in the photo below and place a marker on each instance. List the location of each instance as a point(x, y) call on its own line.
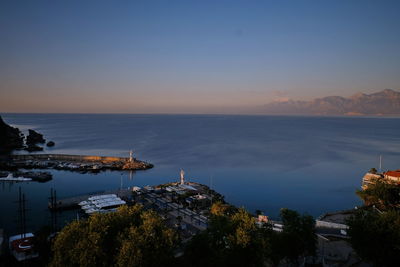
point(22, 245)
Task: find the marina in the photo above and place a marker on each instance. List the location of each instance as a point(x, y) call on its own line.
point(73, 202)
point(80, 163)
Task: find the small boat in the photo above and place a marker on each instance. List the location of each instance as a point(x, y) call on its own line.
point(22, 248)
point(92, 210)
point(89, 206)
point(110, 204)
point(102, 196)
point(83, 203)
point(11, 178)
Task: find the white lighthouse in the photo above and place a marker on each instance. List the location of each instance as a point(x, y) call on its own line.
point(182, 177)
point(131, 156)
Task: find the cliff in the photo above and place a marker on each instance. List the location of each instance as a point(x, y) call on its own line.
point(10, 137)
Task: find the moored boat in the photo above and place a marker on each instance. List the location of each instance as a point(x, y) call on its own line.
point(22, 246)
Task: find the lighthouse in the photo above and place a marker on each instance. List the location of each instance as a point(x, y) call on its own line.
point(131, 156)
point(182, 177)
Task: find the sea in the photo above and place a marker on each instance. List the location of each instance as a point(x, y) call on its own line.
point(310, 164)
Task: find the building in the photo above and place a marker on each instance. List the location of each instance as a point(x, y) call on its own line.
point(199, 200)
point(389, 176)
point(393, 176)
point(370, 178)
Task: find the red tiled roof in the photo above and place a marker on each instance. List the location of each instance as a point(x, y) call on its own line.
point(393, 173)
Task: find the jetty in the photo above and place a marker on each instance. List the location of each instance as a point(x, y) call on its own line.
point(80, 163)
point(72, 202)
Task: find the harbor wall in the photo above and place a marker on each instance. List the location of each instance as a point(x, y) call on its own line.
point(64, 157)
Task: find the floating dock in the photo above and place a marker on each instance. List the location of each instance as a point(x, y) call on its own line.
point(72, 202)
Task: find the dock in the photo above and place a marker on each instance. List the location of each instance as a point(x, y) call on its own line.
point(72, 202)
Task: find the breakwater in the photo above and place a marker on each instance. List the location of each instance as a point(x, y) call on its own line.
point(65, 157)
point(82, 163)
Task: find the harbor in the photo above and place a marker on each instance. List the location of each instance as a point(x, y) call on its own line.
point(78, 163)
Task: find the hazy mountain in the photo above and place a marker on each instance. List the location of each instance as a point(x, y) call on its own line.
point(386, 102)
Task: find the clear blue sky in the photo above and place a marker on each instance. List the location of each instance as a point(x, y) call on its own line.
point(192, 56)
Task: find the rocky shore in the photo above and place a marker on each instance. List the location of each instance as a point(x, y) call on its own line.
point(10, 138)
point(13, 139)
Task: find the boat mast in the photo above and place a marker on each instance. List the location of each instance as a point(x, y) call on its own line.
point(22, 214)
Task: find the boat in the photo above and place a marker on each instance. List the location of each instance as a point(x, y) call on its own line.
point(83, 203)
point(22, 245)
point(101, 204)
point(92, 210)
point(11, 178)
point(22, 248)
point(101, 197)
point(89, 206)
point(110, 204)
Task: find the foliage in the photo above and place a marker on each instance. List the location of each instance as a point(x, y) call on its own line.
point(376, 237)
point(220, 208)
point(230, 240)
point(373, 171)
point(298, 236)
point(234, 239)
point(382, 194)
point(149, 244)
point(129, 236)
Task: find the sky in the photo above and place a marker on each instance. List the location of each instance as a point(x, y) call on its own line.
point(192, 56)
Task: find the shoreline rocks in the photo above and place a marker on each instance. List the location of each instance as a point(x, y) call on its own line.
point(10, 137)
point(50, 144)
point(33, 139)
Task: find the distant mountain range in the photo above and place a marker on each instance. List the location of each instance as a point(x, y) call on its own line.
point(386, 102)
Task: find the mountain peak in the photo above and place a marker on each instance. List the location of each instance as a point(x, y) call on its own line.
point(385, 102)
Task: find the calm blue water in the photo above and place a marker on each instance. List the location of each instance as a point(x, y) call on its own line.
point(311, 164)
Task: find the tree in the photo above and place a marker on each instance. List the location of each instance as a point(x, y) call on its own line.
point(232, 239)
point(376, 237)
point(105, 240)
point(298, 236)
point(149, 244)
point(373, 171)
point(382, 194)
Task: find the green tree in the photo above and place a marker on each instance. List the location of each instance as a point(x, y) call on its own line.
point(102, 239)
point(149, 244)
point(232, 239)
point(298, 236)
point(382, 194)
point(376, 237)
